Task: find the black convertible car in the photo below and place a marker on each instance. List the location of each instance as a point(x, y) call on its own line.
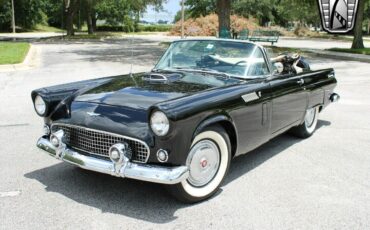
point(205, 102)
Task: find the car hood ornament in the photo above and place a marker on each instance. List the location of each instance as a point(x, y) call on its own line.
point(92, 114)
point(338, 16)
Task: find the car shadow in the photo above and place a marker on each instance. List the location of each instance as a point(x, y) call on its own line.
point(145, 201)
point(247, 162)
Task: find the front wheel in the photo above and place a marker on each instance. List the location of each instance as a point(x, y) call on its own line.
point(308, 127)
point(208, 162)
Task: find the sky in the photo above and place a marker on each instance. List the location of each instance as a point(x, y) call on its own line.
point(169, 11)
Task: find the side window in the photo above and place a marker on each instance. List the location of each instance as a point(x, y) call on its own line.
point(258, 65)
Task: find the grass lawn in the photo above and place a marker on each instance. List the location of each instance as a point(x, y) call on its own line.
point(89, 36)
point(354, 51)
point(95, 36)
point(44, 28)
point(102, 35)
point(13, 52)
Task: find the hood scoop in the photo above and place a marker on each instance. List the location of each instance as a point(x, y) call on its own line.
point(161, 78)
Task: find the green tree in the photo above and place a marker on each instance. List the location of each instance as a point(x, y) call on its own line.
point(28, 13)
point(112, 11)
point(126, 12)
point(5, 15)
point(54, 9)
point(367, 16)
point(178, 15)
point(303, 11)
point(198, 8)
point(261, 9)
point(278, 11)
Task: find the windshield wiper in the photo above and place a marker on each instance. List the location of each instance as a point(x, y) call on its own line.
point(206, 70)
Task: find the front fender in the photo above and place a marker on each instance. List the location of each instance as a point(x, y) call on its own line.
point(54, 95)
point(214, 119)
point(226, 122)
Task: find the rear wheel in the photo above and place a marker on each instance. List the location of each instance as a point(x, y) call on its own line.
point(208, 162)
point(308, 127)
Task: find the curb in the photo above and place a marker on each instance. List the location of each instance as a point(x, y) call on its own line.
point(340, 55)
point(30, 61)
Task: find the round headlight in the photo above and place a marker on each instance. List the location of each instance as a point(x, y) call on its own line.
point(40, 105)
point(159, 123)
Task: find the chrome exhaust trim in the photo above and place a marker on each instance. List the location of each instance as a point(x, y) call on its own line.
point(334, 97)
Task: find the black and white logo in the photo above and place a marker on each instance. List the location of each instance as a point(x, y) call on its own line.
point(338, 16)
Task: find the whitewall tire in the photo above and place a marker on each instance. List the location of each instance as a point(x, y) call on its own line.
point(308, 127)
point(208, 161)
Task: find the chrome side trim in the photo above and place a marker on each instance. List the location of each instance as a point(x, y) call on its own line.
point(162, 78)
point(103, 132)
point(250, 97)
point(144, 172)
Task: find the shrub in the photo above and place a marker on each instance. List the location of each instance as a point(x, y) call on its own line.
point(302, 31)
point(140, 28)
point(106, 28)
point(154, 28)
point(208, 25)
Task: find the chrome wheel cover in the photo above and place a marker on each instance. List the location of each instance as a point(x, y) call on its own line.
point(203, 163)
point(310, 117)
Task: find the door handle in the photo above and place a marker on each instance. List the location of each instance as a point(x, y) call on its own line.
point(300, 81)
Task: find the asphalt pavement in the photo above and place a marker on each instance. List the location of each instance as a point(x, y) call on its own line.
point(319, 183)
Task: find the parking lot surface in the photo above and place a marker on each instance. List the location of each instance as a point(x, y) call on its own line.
point(319, 183)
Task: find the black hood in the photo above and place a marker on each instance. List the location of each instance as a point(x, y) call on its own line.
point(140, 91)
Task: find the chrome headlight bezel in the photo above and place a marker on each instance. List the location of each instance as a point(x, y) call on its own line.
point(40, 105)
point(159, 123)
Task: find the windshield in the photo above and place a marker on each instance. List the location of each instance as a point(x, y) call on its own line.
point(233, 58)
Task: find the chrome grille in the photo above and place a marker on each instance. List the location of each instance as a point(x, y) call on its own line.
point(97, 142)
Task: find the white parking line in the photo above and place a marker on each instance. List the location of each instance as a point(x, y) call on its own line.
point(10, 194)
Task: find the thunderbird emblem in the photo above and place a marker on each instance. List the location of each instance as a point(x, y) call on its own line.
point(338, 16)
point(92, 114)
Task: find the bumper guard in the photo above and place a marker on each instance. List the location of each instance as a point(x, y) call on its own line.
point(144, 172)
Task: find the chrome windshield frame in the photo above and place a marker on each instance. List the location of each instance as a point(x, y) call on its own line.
point(265, 57)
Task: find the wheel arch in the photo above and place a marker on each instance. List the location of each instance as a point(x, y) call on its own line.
point(226, 123)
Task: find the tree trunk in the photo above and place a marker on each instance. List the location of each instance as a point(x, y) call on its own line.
point(358, 42)
point(90, 28)
point(223, 11)
point(93, 19)
point(89, 10)
point(71, 7)
point(69, 23)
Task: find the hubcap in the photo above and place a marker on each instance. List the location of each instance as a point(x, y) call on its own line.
point(203, 161)
point(310, 117)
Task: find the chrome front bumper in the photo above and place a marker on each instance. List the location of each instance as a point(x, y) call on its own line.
point(144, 172)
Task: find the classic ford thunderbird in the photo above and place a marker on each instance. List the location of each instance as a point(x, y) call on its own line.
point(205, 102)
